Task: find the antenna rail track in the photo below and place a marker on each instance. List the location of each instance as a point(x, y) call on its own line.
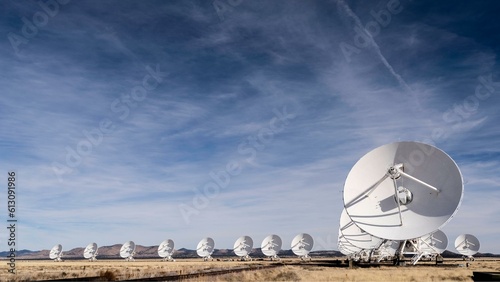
point(184, 276)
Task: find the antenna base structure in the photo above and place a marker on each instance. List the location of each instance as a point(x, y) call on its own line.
point(208, 258)
point(426, 247)
point(430, 246)
point(470, 258)
point(168, 258)
point(246, 258)
point(305, 258)
point(385, 251)
point(275, 257)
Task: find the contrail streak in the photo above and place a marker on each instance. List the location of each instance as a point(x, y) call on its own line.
point(351, 14)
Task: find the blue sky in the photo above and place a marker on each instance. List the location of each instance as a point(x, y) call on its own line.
point(120, 117)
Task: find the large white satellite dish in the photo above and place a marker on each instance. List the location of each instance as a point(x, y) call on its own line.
point(271, 245)
point(243, 247)
point(302, 244)
point(205, 248)
point(166, 249)
point(90, 252)
point(467, 245)
point(56, 253)
point(127, 251)
point(355, 235)
point(403, 190)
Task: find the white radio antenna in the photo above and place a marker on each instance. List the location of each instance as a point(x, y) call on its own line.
point(56, 253)
point(90, 252)
point(270, 246)
point(205, 248)
point(467, 245)
point(243, 247)
point(127, 251)
point(302, 244)
point(166, 249)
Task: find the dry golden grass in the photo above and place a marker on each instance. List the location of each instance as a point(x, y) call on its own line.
point(29, 270)
point(450, 271)
point(142, 268)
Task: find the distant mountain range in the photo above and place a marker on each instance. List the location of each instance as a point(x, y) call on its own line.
point(111, 252)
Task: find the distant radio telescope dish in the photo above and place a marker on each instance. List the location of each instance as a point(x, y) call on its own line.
point(403, 190)
point(205, 248)
point(271, 245)
point(127, 251)
point(346, 248)
point(467, 245)
point(56, 253)
point(243, 247)
point(435, 243)
point(302, 244)
point(355, 235)
point(166, 249)
point(345, 251)
point(90, 252)
point(429, 246)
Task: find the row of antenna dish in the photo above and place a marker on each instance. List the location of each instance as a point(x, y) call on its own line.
point(396, 198)
point(301, 245)
point(359, 245)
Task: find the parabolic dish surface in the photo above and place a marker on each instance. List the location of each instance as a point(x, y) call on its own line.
point(369, 191)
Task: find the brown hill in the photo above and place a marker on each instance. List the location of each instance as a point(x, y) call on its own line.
point(113, 252)
point(103, 252)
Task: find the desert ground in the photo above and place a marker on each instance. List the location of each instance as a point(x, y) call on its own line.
point(286, 270)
